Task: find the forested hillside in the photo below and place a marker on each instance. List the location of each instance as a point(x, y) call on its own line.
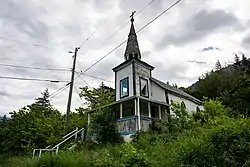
point(230, 84)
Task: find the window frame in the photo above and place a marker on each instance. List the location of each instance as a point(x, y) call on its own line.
point(126, 78)
point(141, 78)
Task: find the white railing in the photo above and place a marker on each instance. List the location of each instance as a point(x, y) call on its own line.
point(56, 147)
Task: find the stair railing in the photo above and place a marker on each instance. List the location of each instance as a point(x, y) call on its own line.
point(56, 147)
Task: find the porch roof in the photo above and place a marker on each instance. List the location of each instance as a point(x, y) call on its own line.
point(126, 99)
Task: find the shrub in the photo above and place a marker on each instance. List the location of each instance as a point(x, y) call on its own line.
point(104, 127)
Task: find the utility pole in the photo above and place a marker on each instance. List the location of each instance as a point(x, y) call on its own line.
point(71, 89)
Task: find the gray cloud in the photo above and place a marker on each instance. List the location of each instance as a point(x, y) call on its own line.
point(246, 41)
point(200, 25)
point(171, 72)
point(3, 93)
point(61, 26)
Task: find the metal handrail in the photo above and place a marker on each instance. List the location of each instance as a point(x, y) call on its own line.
point(70, 133)
point(56, 147)
point(74, 134)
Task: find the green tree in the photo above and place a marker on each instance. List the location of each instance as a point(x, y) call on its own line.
point(44, 100)
point(97, 97)
point(236, 59)
point(218, 66)
point(33, 126)
point(102, 121)
point(230, 85)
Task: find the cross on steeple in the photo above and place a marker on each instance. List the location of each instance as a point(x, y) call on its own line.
point(132, 16)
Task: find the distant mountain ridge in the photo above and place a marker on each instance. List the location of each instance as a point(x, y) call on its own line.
point(228, 68)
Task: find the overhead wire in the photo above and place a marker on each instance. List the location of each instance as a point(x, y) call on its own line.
point(36, 68)
point(92, 34)
point(78, 92)
point(171, 6)
point(88, 75)
point(84, 81)
point(120, 28)
point(58, 91)
point(32, 79)
point(25, 43)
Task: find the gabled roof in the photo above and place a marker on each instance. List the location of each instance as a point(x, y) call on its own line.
point(125, 63)
point(175, 90)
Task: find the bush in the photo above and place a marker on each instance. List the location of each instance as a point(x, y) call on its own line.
point(104, 127)
point(228, 144)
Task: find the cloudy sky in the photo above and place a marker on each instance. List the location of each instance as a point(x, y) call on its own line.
point(39, 33)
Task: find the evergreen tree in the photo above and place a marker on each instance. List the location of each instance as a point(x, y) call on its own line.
point(236, 59)
point(218, 66)
point(4, 119)
point(44, 100)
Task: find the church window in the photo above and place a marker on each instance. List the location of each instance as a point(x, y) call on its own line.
point(144, 87)
point(124, 86)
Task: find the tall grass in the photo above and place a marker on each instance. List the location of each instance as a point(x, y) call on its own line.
point(224, 142)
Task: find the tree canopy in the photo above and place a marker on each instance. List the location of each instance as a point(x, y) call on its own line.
point(230, 84)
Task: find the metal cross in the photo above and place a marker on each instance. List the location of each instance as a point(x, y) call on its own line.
point(132, 16)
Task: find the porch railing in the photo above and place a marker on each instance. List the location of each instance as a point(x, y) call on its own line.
point(129, 125)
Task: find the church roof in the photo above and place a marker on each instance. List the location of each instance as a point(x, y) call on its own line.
point(132, 43)
point(174, 90)
point(125, 63)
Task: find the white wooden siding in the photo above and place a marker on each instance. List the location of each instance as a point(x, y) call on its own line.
point(121, 74)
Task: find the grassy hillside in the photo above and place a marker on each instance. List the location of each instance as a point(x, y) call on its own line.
point(208, 138)
point(225, 142)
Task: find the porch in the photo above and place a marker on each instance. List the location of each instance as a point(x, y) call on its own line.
point(136, 113)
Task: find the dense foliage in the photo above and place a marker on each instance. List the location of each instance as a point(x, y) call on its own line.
point(220, 141)
point(230, 84)
point(34, 126)
point(103, 126)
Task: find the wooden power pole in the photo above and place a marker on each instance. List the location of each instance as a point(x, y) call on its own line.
point(71, 89)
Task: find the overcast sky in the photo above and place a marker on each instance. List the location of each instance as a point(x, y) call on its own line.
point(39, 33)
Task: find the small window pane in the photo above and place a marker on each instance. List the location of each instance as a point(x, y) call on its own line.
point(124, 87)
point(144, 87)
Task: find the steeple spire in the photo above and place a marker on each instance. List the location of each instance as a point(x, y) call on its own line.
point(132, 48)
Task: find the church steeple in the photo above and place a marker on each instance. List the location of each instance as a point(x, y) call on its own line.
point(132, 48)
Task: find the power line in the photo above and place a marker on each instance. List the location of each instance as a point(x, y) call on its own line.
point(171, 6)
point(78, 92)
point(136, 32)
point(104, 56)
point(92, 34)
point(32, 79)
point(113, 34)
point(36, 68)
point(81, 73)
point(84, 81)
point(26, 43)
point(58, 91)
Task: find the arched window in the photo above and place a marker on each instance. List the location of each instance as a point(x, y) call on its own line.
point(183, 105)
point(198, 109)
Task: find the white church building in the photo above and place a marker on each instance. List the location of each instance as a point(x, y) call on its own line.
point(139, 96)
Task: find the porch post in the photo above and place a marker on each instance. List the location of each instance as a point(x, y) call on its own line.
point(159, 107)
point(88, 115)
point(149, 109)
point(88, 125)
point(138, 112)
point(120, 110)
point(136, 125)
